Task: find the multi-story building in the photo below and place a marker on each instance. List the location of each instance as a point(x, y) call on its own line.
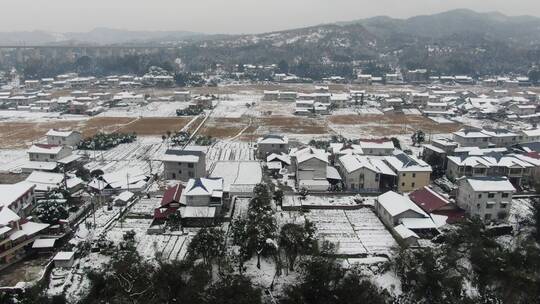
point(184, 164)
point(48, 153)
point(272, 144)
point(63, 138)
point(515, 169)
point(489, 198)
point(472, 138)
point(364, 173)
point(412, 173)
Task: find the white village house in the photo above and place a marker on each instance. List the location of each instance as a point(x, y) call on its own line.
point(63, 138)
point(489, 198)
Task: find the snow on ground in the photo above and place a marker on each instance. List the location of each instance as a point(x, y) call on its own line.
point(153, 109)
point(12, 160)
point(355, 232)
point(229, 150)
point(365, 111)
point(143, 153)
point(520, 210)
point(412, 112)
point(27, 116)
point(440, 120)
point(234, 105)
point(327, 201)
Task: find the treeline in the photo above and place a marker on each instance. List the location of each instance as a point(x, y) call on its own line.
point(106, 141)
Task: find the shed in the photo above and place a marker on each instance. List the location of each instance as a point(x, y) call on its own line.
point(64, 259)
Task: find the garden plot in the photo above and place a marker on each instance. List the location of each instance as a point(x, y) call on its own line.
point(143, 154)
point(333, 226)
point(229, 150)
point(356, 232)
point(144, 208)
point(337, 202)
point(170, 247)
point(371, 231)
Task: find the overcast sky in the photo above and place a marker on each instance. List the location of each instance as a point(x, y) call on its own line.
point(224, 16)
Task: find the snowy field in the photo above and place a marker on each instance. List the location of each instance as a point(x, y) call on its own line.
point(327, 201)
point(234, 105)
point(27, 116)
point(12, 160)
point(144, 153)
point(356, 232)
point(229, 150)
point(153, 109)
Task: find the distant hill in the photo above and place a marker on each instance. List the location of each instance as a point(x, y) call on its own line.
point(98, 36)
point(522, 29)
point(453, 42)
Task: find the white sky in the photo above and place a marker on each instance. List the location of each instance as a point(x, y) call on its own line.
point(224, 16)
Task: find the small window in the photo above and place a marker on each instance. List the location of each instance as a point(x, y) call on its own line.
point(491, 195)
point(404, 174)
point(487, 216)
point(403, 184)
point(489, 206)
point(414, 175)
point(504, 205)
point(190, 165)
point(191, 174)
point(412, 185)
point(505, 195)
point(480, 195)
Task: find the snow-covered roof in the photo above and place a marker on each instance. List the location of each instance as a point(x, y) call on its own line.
point(124, 196)
point(44, 180)
point(376, 144)
point(488, 184)
point(45, 149)
point(342, 149)
point(418, 223)
point(281, 157)
point(64, 256)
point(531, 132)
point(471, 134)
point(204, 186)
point(396, 204)
point(7, 216)
point(61, 133)
point(332, 173)
point(354, 162)
point(43, 243)
point(405, 232)
point(402, 162)
point(184, 156)
point(12, 192)
point(310, 153)
point(273, 139)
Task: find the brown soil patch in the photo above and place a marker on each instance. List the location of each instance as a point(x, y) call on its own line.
point(294, 125)
point(103, 124)
point(21, 134)
point(155, 125)
point(223, 127)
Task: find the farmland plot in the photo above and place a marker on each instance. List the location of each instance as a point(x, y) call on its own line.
point(356, 232)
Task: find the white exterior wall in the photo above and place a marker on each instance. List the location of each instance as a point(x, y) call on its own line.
point(476, 203)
